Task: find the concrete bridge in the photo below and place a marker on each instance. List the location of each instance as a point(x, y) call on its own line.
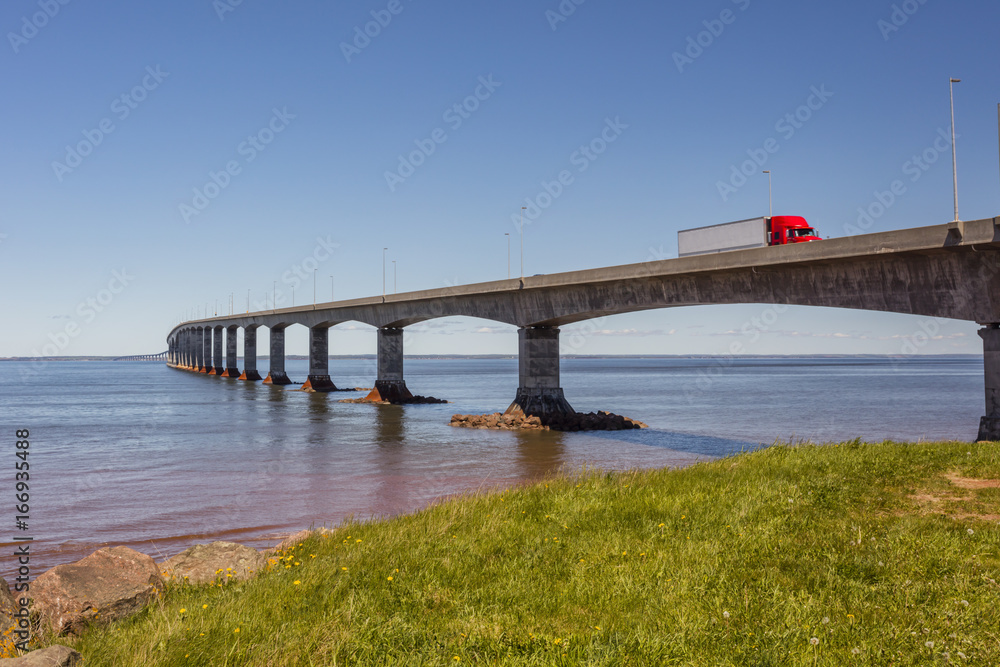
point(159, 356)
point(950, 270)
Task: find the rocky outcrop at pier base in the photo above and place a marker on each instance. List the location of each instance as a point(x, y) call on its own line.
point(108, 585)
point(575, 421)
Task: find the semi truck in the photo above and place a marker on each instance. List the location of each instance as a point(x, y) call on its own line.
point(743, 234)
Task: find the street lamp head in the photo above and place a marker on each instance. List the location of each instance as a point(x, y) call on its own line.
point(956, 80)
point(766, 171)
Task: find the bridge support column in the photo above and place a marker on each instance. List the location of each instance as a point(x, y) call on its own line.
point(206, 351)
point(250, 355)
point(199, 350)
point(232, 354)
point(538, 391)
point(276, 375)
point(319, 361)
point(182, 342)
point(217, 368)
point(989, 425)
point(189, 340)
point(390, 385)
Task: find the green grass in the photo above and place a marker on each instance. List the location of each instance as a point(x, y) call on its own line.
point(865, 547)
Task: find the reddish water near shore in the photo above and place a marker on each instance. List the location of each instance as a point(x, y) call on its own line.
point(160, 459)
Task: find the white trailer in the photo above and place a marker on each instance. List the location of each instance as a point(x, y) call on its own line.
point(739, 235)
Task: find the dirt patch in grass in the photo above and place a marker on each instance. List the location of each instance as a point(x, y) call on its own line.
point(972, 483)
point(955, 504)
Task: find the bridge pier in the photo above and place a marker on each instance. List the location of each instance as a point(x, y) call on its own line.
point(232, 354)
point(319, 361)
point(206, 350)
point(217, 368)
point(199, 350)
point(276, 374)
point(189, 362)
point(250, 355)
point(989, 425)
point(390, 385)
point(538, 391)
point(182, 348)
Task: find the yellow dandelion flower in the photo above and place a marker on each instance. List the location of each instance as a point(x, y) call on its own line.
point(296, 582)
point(236, 631)
point(344, 569)
point(204, 606)
point(389, 578)
point(183, 610)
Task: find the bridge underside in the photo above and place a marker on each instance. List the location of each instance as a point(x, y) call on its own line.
point(950, 271)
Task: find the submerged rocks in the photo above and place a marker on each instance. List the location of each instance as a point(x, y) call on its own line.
point(577, 421)
point(110, 584)
point(203, 563)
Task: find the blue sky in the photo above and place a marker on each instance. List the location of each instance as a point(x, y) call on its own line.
point(202, 148)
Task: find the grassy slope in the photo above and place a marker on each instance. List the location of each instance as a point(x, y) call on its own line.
point(738, 561)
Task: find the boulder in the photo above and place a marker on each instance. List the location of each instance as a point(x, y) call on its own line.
point(108, 585)
point(203, 563)
point(52, 656)
point(294, 539)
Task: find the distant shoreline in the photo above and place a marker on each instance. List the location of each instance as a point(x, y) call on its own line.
point(302, 357)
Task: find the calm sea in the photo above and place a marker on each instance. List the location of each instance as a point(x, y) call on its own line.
point(159, 459)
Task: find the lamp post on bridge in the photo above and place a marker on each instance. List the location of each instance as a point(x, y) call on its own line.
point(314, 288)
point(331, 288)
point(520, 233)
point(383, 273)
point(770, 207)
point(507, 234)
point(394, 276)
point(954, 159)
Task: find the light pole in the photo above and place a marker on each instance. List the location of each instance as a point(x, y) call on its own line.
point(770, 207)
point(231, 304)
point(507, 234)
point(954, 159)
point(216, 312)
point(393, 276)
point(521, 234)
point(274, 295)
point(248, 302)
point(314, 288)
point(383, 273)
point(293, 296)
point(331, 288)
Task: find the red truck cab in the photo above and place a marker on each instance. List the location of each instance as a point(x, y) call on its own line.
point(785, 229)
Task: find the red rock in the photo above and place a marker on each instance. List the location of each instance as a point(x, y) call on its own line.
point(203, 563)
point(52, 656)
point(108, 585)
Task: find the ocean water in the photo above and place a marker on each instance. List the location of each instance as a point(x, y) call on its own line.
point(158, 459)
